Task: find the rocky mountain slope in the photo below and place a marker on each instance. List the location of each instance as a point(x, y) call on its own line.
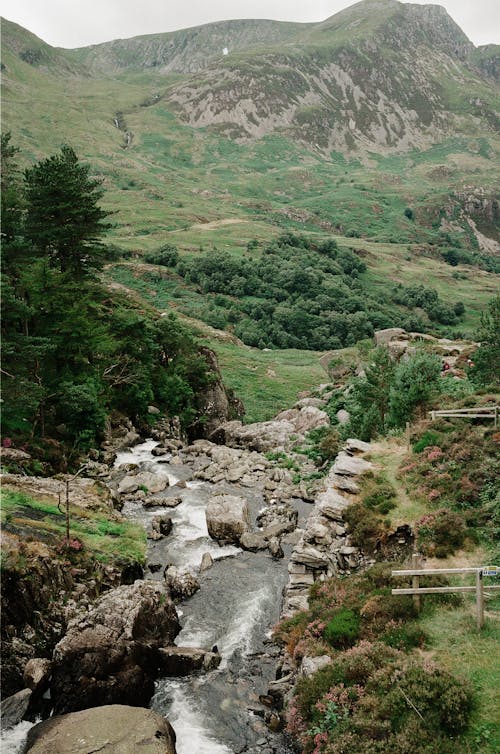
point(380, 75)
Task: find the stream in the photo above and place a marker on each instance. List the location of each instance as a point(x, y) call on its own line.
point(235, 609)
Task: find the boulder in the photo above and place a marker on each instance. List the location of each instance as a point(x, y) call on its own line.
point(14, 708)
point(310, 665)
point(346, 465)
point(260, 436)
point(343, 416)
point(162, 525)
point(109, 654)
point(144, 479)
point(181, 661)
point(383, 337)
point(354, 446)
point(227, 518)
point(111, 729)
point(37, 673)
point(253, 541)
point(181, 584)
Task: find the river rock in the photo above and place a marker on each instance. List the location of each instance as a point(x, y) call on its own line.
point(108, 655)
point(181, 661)
point(260, 436)
point(275, 548)
point(14, 708)
point(144, 479)
point(111, 729)
point(162, 524)
point(181, 584)
point(253, 541)
point(227, 518)
point(206, 562)
point(37, 673)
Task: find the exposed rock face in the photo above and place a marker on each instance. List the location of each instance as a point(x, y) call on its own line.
point(14, 708)
point(111, 729)
point(272, 435)
point(217, 406)
point(227, 518)
point(324, 550)
point(108, 655)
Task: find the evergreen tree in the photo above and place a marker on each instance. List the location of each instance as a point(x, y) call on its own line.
point(64, 220)
point(486, 370)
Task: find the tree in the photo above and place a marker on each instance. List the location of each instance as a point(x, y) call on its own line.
point(368, 401)
point(415, 382)
point(486, 368)
point(64, 221)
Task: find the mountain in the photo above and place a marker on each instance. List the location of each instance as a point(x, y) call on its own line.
point(379, 75)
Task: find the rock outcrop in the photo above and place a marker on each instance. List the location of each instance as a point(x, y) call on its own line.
point(324, 549)
point(111, 729)
point(108, 655)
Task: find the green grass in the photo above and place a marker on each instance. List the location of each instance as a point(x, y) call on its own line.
point(471, 654)
point(267, 381)
point(103, 539)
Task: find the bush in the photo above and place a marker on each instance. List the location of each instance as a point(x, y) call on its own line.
point(441, 533)
point(428, 438)
point(365, 527)
point(343, 629)
point(166, 256)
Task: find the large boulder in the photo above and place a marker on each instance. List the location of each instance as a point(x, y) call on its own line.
point(227, 518)
point(109, 655)
point(112, 729)
point(180, 661)
point(145, 480)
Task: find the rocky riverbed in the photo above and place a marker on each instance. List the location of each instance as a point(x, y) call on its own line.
point(234, 542)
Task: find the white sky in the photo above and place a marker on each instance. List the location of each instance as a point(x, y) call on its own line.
point(77, 23)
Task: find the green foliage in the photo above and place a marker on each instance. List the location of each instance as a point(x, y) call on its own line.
point(166, 256)
point(415, 383)
point(71, 351)
point(486, 368)
point(64, 221)
point(441, 533)
point(343, 629)
point(428, 439)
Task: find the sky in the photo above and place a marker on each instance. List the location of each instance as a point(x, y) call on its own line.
point(78, 23)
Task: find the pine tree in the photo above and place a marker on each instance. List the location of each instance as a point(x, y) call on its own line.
point(64, 220)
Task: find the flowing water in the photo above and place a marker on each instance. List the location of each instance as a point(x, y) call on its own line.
point(235, 608)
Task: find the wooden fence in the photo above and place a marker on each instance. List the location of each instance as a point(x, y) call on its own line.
point(416, 590)
point(482, 412)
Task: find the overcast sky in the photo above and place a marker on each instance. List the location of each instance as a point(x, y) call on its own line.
point(75, 23)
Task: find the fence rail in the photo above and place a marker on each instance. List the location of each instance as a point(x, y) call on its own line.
point(479, 412)
point(416, 590)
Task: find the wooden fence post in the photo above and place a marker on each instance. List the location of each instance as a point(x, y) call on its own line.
point(416, 564)
point(479, 599)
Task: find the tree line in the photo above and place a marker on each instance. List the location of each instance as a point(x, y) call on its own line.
point(73, 351)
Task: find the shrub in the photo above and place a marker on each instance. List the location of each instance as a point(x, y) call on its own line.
point(366, 529)
point(441, 533)
point(428, 438)
point(343, 629)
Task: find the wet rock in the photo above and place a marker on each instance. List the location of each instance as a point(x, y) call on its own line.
point(181, 661)
point(14, 708)
point(181, 584)
point(162, 524)
point(131, 573)
point(227, 518)
point(162, 502)
point(116, 729)
point(275, 548)
point(108, 654)
point(206, 562)
point(145, 480)
point(253, 541)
